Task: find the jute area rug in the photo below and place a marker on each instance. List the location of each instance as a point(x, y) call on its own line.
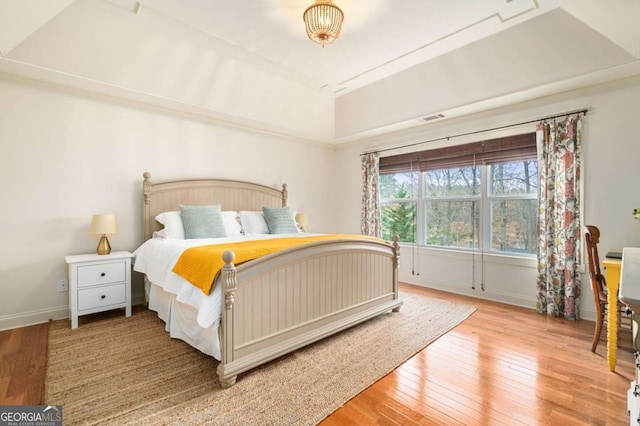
point(117, 370)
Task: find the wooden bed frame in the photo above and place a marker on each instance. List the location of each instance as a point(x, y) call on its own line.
point(286, 300)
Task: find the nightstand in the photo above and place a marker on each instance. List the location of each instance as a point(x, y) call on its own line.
point(99, 283)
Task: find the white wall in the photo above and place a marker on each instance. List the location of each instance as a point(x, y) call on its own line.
point(67, 155)
point(611, 152)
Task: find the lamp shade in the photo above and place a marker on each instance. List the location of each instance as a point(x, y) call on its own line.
point(302, 219)
point(103, 224)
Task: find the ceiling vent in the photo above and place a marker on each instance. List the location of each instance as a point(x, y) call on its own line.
point(432, 117)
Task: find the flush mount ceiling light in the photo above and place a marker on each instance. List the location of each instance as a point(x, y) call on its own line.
point(323, 21)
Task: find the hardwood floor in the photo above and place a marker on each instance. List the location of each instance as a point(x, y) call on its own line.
point(23, 359)
point(503, 365)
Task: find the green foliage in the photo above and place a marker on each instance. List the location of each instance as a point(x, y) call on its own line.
point(399, 218)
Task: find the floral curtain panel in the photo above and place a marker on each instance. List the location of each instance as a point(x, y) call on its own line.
point(559, 222)
point(370, 222)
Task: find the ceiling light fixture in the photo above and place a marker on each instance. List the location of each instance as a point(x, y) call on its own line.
point(323, 21)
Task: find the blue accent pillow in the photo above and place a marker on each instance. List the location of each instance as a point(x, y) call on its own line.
point(202, 221)
point(280, 220)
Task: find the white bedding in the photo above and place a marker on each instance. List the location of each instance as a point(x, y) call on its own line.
point(156, 258)
point(180, 321)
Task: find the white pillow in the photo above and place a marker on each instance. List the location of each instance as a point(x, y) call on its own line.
point(231, 223)
point(253, 223)
point(173, 228)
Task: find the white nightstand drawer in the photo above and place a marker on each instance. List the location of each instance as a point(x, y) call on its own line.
point(104, 273)
point(91, 298)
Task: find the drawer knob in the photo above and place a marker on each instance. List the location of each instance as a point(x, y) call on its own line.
point(103, 274)
point(103, 296)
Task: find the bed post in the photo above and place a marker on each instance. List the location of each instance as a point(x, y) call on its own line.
point(228, 282)
point(146, 206)
point(396, 264)
point(285, 195)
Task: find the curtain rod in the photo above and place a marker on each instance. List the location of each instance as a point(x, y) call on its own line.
point(582, 111)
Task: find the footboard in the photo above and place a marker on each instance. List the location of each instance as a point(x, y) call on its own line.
point(281, 302)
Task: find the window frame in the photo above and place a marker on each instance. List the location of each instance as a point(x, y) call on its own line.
point(484, 198)
point(488, 211)
point(483, 153)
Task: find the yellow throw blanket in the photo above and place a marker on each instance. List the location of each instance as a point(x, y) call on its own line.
point(201, 265)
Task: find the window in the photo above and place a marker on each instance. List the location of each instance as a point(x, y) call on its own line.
point(399, 208)
point(513, 199)
point(451, 201)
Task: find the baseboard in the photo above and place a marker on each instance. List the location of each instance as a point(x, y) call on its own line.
point(510, 299)
point(588, 314)
point(31, 318)
point(38, 317)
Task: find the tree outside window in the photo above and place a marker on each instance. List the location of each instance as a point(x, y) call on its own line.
point(398, 193)
point(451, 199)
point(514, 206)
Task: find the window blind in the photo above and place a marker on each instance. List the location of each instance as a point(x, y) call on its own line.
point(499, 150)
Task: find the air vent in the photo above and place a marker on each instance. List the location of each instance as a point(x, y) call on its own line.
point(432, 117)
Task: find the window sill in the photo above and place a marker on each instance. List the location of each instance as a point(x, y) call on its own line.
point(492, 257)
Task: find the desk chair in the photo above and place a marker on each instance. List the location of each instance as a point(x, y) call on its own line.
point(598, 285)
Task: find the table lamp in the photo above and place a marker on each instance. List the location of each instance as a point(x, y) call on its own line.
point(303, 220)
point(103, 224)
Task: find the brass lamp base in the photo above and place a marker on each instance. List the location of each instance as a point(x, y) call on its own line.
point(103, 245)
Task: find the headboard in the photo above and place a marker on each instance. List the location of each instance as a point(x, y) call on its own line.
point(231, 194)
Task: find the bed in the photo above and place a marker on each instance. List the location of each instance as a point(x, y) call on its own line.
point(264, 308)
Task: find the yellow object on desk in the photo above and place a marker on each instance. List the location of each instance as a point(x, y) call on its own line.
point(612, 274)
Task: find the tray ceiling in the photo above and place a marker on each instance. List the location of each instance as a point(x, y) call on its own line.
point(150, 46)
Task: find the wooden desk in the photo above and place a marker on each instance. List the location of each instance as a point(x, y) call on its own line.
point(612, 275)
